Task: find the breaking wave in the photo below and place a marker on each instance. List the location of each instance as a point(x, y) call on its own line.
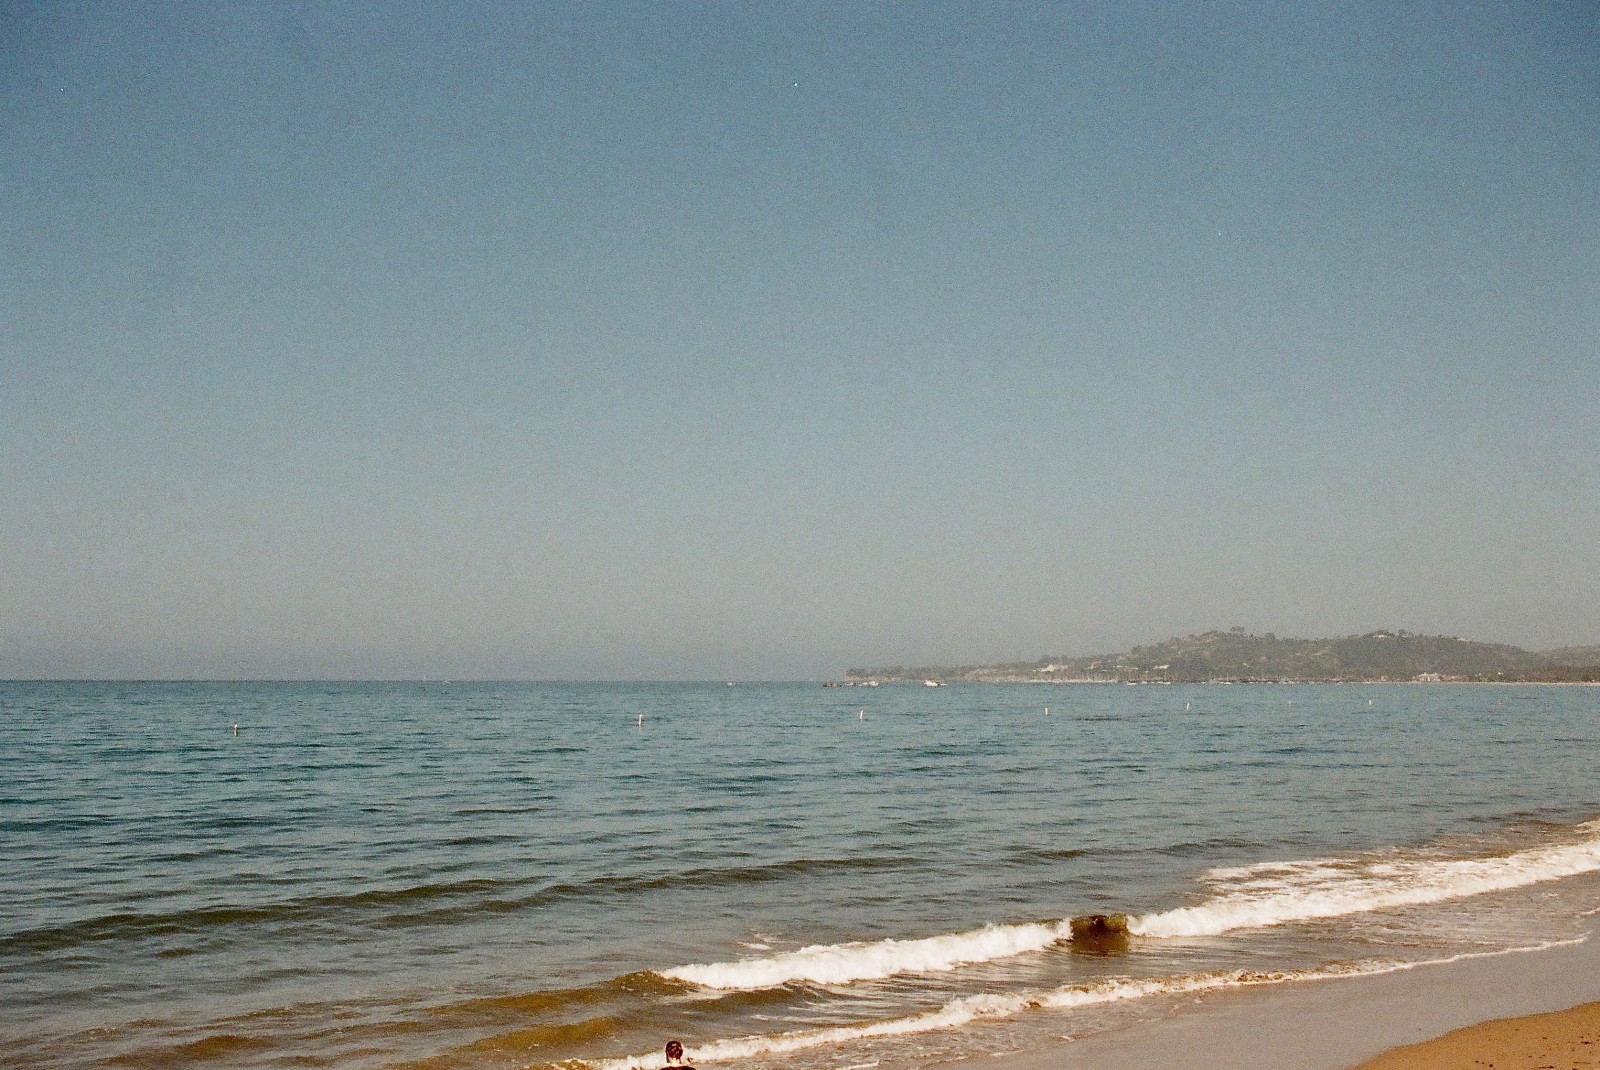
point(1255, 896)
point(989, 1006)
point(837, 964)
point(1279, 893)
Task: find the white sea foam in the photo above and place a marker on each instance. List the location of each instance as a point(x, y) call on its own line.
point(1279, 893)
point(989, 1006)
point(1258, 896)
point(870, 960)
point(956, 1013)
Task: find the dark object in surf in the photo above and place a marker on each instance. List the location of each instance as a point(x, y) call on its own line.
point(1100, 934)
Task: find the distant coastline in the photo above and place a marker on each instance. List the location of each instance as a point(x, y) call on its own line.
point(1237, 657)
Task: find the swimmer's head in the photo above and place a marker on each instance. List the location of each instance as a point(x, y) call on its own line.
point(674, 1050)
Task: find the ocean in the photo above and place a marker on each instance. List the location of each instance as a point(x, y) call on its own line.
point(567, 875)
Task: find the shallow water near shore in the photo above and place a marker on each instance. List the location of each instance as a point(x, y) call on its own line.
point(505, 875)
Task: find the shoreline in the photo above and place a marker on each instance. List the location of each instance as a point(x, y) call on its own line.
point(1568, 1039)
point(1336, 1023)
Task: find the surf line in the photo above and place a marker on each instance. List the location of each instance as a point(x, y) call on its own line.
point(873, 960)
point(1283, 893)
point(995, 1006)
point(1250, 897)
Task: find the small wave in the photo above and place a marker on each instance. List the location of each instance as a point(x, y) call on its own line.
point(956, 1013)
point(1256, 896)
point(215, 1048)
point(407, 906)
point(990, 1006)
point(711, 877)
point(641, 985)
point(1278, 893)
point(837, 964)
point(186, 922)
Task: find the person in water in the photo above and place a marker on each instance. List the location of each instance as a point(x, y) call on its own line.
point(675, 1057)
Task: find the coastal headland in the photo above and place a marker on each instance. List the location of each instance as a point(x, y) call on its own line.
point(1235, 656)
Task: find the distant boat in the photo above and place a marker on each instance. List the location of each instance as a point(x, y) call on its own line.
point(931, 683)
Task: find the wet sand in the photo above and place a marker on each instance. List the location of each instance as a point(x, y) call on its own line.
point(1560, 1040)
point(1342, 1023)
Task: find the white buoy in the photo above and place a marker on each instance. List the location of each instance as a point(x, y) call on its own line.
point(1185, 705)
point(235, 729)
point(863, 715)
point(1047, 711)
point(641, 720)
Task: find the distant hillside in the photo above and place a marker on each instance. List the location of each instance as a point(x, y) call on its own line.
point(1574, 655)
point(1237, 656)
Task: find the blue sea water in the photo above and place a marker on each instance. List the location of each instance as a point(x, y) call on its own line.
point(497, 875)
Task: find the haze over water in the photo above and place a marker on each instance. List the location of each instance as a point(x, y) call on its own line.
point(497, 875)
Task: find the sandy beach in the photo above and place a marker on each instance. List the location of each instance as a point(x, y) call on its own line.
point(1527, 1009)
point(1559, 1040)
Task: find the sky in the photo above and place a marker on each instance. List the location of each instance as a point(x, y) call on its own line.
point(764, 340)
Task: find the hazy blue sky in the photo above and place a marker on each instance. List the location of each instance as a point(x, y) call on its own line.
point(765, 339)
